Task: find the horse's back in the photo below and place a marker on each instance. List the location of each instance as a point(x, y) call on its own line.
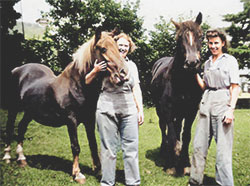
point(31, 79)
point(32, 72)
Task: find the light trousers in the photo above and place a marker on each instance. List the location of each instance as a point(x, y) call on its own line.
point(113, 129)
point(212, 109)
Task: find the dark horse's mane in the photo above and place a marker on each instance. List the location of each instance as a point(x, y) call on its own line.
point(188, 25)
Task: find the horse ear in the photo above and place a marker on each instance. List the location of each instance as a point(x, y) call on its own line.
point(115, 32)
point(98, 34)
point(199, 18)
point(177, 25)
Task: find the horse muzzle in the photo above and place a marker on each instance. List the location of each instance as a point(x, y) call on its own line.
point(192, 65)
point(117, 76)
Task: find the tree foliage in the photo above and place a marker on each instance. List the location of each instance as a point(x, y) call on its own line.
point(163, 39)
point(11, 48)
point(239, 31)
point(73, 22)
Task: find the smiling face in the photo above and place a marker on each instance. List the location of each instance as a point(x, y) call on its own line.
point(215, 45)
point(123, 45)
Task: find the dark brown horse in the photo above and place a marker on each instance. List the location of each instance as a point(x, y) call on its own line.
point(65, 99)
point(176, 94)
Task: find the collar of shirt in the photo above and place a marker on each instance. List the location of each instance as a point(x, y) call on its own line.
point(214, 65)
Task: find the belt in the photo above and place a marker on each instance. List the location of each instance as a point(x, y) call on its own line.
point(214, 89)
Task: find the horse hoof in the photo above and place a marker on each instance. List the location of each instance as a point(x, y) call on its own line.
point(22, 163)
point(171, 171)
point(81, 181)
point(186, 171)
point(80, 178)
point(7, 161)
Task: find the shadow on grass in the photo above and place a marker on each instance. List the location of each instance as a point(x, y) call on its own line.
point(156, 156)
point(120, 176)
point(209, 181)
point(60, 164)
point(56, 164)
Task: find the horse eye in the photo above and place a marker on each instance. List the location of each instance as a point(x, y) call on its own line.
point(103, 50)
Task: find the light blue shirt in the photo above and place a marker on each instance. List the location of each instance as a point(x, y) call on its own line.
point(221, 73)
point(119, 98)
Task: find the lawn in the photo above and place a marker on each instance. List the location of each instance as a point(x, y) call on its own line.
point(49, 156)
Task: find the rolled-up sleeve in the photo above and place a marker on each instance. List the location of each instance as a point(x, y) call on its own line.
point(134, 72)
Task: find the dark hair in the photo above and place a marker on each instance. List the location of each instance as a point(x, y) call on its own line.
point(216, 33)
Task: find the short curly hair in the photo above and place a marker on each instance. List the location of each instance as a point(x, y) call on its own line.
point(217, 33)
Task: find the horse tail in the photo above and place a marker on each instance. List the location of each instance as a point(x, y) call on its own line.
point(12, 105)
point(13, 91)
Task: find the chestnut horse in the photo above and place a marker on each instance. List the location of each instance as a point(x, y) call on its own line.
point(64, 99)
point(177, 94)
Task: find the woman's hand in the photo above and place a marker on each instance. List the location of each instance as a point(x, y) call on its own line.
point(102, 66)
point(228, 116)
point(200, 81)
point(140, 117)
point(234, 94)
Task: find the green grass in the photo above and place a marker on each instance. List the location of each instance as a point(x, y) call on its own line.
point(49, 155)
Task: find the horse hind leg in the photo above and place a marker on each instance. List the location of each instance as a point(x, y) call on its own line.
point(163, 127)
point(9, 134)
point(178, 127)
point(186, 138)
point(22, 128)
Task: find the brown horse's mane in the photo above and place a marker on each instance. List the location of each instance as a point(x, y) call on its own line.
point(83, 56)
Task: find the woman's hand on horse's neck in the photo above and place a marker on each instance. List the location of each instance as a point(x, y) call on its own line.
point(200, 81)
point(102, 66)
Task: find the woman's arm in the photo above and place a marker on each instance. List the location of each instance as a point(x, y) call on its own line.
point(234, 94)
point(102, 66)
point(200, 81)
point(139, 103)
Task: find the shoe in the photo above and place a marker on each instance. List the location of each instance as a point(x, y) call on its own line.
point(193, 184)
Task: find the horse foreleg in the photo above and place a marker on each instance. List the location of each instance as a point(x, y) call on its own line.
point(21, 158)
point(22, 128)
point(186, 138)
point(9, 132)
point(90, 130)
point(76, 172)
point(178, 127)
